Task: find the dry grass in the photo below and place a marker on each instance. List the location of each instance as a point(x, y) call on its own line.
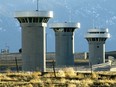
point(69, 72)
point(65, 78)
point(60, 73)
point(94, 75)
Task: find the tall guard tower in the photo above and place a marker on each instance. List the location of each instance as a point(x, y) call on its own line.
point(33, 25)
point(96, 39)
point(64, 35)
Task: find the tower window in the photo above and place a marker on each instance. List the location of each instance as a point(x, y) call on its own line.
point(97, 46)
point(93, 39)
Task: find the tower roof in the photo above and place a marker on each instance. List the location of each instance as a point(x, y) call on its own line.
point(65, 25)
point(98, 33)
point(48, 14)
point(98, 30)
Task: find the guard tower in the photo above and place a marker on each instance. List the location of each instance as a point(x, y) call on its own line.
point(64, 35)
point(96, 39)
point(33, 25)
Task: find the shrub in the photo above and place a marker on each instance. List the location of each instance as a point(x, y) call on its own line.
point(69, 72)
point(80, 76)
point(36, 73)
point(35, 81)
point(60, 73)
point(94, 75)
point(71, 85)
point(48, 80)
point(29, 85)
point(62, 80)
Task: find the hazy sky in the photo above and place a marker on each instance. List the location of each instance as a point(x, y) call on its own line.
point(101, 13)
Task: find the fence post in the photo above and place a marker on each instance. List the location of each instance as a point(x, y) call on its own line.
point(16, 65)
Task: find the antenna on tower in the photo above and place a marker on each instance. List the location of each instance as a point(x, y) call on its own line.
point(93, 20)
point(69, 10)
point(37, 5)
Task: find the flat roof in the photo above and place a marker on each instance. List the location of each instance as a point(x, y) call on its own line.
point(33, 14)
point(98, 33)
point(64, 25)
point(98, 30)
point(107, 35)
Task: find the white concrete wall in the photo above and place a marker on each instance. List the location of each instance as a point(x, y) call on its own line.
point(64, 48)
point(33, 46)
point(96, 52)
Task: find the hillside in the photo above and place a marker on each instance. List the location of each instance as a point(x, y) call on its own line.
point(90, 13)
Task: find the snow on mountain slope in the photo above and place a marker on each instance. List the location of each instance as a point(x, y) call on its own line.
point(90, 13)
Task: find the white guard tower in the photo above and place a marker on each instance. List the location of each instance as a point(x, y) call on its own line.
point(64, 35)
point(96, 39)
point(33, 25)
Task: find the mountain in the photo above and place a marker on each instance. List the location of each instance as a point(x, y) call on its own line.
point(90, 13)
